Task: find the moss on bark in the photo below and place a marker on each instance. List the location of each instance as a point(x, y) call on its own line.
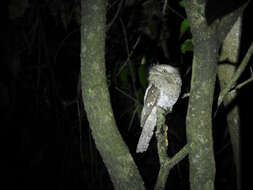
point(115, 154)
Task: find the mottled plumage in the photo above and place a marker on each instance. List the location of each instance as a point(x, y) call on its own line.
point(163, 91)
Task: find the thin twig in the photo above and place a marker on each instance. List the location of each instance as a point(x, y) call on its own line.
point(185, 95)
point(62, 43)
point(176, 13)
point(127, 95)
point(130, 67)
point(109, 6)
point(129, 56)
point(115, 16)
point(237, 74)
point(244, 83)
point(132, 117)
point(179, 156)
point(125, 35)
point(164, 7)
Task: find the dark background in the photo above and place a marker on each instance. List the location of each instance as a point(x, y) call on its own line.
point(45, 138)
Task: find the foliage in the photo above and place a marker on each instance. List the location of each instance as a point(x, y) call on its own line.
point(187, 46)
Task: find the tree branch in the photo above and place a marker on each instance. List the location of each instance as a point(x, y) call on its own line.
point(166, 163)
point(236, 76)
point(114, 152)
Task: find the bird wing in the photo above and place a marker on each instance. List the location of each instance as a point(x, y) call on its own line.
point(148, 118)
point(150, 100)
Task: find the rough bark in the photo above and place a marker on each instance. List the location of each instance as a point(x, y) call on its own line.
point(230, 52)
point(206, 40)
point(166, 163)
point(115, 154)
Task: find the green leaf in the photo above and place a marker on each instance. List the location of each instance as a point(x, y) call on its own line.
point(183, 27)
point(140, 95)
point(142, 75)
point(139, 109)
point(143, 60)
point(123, 78)
point(181, 3)
point(186, 46)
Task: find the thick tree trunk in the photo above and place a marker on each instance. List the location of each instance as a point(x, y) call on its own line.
point(230, 52)
point(199, 115)
point(206, 40)
point(115, 154)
